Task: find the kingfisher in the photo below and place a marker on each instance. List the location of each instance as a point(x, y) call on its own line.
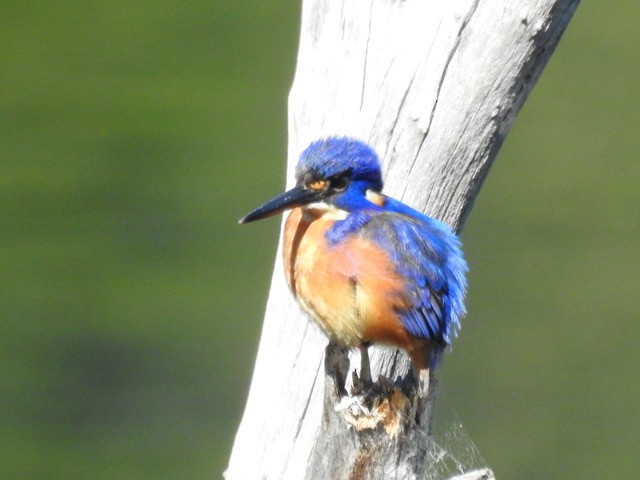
point(367, 268)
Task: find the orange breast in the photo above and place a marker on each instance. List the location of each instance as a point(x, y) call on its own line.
point(350, 290)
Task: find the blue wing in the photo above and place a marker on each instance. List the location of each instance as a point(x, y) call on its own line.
point(427, 254)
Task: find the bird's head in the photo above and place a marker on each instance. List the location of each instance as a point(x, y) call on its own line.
point(333, 172)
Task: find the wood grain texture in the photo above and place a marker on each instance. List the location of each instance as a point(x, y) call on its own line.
point(434, 87)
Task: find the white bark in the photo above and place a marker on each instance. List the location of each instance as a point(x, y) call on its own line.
point(433, 86)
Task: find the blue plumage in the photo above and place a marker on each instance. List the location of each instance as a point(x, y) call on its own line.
point(326, 158)
point(338, 185)
point(426, 252)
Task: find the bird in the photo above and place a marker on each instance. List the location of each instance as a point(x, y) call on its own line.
point(365, 267)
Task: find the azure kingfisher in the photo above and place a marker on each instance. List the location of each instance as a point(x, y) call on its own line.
point(363, 266)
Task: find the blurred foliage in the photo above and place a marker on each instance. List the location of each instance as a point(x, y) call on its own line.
point(132, 137)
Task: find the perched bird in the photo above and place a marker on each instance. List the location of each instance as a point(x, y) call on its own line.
point(365, 267)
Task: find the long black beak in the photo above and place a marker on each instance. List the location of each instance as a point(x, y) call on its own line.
point(296, 197)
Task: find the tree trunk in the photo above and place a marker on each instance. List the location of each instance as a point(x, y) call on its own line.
point(434, 87)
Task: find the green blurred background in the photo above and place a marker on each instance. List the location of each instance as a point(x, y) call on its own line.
point(133, 135)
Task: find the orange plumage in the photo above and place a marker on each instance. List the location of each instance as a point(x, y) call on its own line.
point(351, 290)
point(363, 266)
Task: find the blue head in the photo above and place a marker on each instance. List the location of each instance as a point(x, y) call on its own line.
point(343, 160)
point(335, 171)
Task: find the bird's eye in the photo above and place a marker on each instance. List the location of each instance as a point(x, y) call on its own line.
point(339, 183)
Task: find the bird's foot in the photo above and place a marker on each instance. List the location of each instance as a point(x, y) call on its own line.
point(336, 365)
point(362, 383)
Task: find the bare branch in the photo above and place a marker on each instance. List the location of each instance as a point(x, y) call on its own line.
point(434, 87)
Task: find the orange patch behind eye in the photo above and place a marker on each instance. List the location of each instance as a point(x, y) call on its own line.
point(318, 185)
point(376, 198)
